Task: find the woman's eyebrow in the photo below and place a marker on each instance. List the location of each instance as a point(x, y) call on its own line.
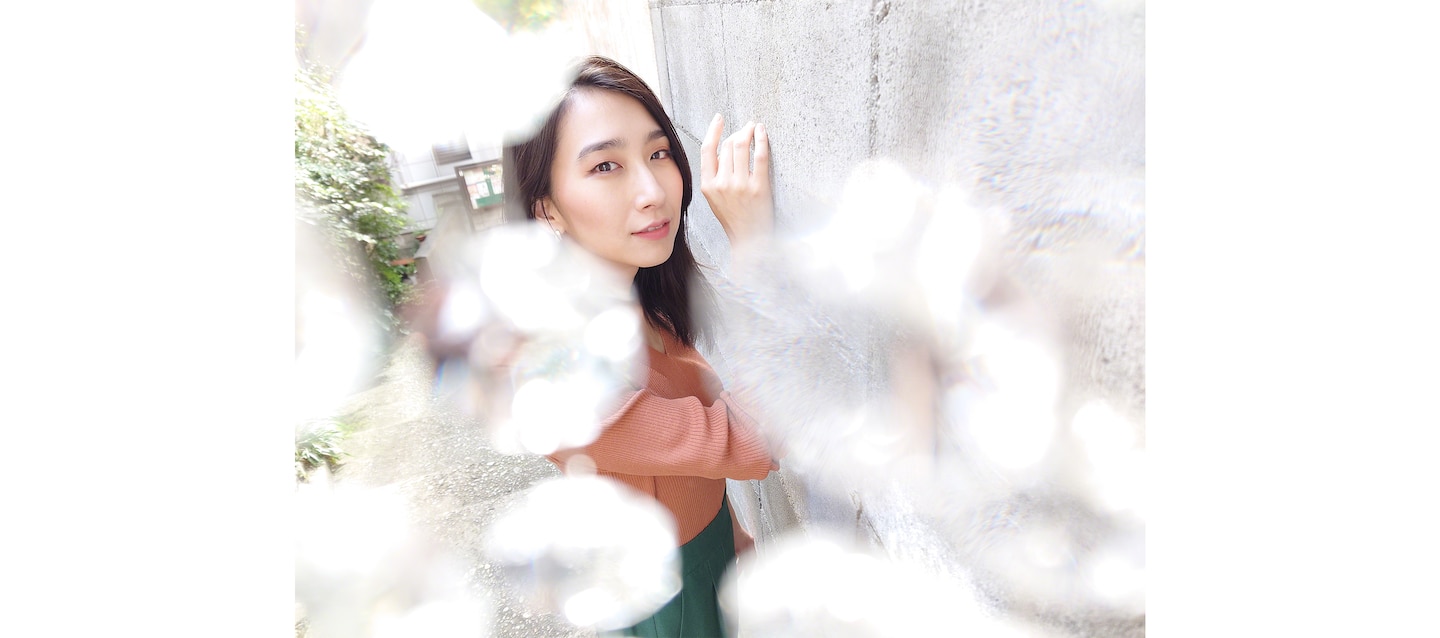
point(616, 143)
point(600, 146)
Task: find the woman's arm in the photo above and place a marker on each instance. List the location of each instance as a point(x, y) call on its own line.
point(653, 436)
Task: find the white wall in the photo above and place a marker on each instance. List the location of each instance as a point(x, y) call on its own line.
point(1035, 111)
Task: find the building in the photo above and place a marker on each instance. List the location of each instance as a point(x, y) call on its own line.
point(455, 178)
point(456, 187)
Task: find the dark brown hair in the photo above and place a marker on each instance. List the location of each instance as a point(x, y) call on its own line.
point(664, 290)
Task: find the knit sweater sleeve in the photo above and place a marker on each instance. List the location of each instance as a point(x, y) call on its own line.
point(653, 436)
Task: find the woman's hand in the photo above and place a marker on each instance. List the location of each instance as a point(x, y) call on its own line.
point(740, 197)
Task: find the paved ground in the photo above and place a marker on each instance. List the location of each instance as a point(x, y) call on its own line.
point(455, 482)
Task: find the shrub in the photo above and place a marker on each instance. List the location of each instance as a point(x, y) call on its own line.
point(342, 185)
point(318, 443)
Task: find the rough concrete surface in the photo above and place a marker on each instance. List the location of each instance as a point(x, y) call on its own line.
point(1035, 109)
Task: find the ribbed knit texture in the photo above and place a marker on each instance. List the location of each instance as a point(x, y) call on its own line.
point(678, 439)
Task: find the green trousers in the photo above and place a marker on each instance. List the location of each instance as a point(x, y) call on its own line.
point(695, 611)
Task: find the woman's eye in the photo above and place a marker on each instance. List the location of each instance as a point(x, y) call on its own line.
point(605, 167)
point(663, 153)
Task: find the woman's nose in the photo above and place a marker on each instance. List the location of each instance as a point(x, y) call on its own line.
point(648, 191)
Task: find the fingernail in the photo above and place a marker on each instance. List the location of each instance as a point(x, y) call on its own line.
point(717, 116)
point(760, 128)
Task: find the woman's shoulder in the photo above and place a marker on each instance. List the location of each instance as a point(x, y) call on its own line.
point(685, 365)
point(678, 350)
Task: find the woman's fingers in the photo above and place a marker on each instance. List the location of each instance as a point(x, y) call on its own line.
point(723, 162)
point(721, 159)
point(739, 197)
point(762, 154)
point(740, 149)
point(708, 161)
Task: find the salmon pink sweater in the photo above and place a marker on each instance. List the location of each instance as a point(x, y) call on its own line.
point(678, 439)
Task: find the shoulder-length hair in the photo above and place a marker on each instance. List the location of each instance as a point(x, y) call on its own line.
point(665, 291)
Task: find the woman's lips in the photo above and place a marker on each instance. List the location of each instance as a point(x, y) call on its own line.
point(659, 232)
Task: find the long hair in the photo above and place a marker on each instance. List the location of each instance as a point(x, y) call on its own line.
point(665, 290)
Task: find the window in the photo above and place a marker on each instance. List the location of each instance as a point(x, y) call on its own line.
point(451, 152)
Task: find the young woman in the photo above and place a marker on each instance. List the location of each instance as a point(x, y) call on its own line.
point(607, 172)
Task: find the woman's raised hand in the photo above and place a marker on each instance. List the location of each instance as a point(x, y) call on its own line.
point(740, 197)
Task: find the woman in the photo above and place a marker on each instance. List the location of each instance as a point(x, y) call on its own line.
point(607, 172)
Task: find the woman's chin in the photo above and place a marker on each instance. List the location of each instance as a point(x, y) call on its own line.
point(659, 259)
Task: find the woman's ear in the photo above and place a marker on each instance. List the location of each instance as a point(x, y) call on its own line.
point(545, 211)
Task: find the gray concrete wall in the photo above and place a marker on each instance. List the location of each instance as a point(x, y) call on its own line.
point(1035, 109)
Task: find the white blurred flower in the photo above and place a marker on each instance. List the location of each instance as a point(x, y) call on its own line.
point(1008, 409)
point(521, 271)
point(613, 334)
point(460, 618)
point(409, 39)
point(555, 338)
point(1118, 579)
point(815, 586)
point(590, 548)
point(947, 257)
point(1117, 465)
point(336, 339)
point(334, 354)
point(362, 569)
point(876, 211)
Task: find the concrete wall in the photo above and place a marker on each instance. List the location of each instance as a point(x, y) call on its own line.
point(1033, 108)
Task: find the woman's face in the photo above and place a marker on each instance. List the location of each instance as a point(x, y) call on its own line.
point(615, 189)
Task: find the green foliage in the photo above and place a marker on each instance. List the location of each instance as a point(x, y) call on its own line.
point(522, 15)
point(342, 185)
point(318, 443)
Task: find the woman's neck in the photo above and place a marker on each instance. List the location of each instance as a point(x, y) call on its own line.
point(653, 337)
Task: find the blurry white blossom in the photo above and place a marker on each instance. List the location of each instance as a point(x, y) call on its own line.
point(590, 548)
point(553, 340)
point(362, 569)
point(336, 339)
point(876, 212)
point(814, 585)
